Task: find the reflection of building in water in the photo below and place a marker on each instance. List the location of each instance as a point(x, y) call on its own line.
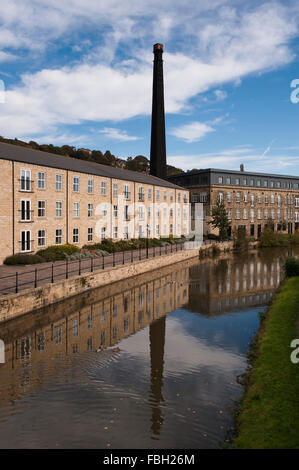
point(102, 323)
point(157, 342)
point(231, 284)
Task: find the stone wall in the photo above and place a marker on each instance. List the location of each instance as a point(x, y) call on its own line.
point(17, 304)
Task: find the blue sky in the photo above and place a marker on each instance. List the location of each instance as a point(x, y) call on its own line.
point(80, 73)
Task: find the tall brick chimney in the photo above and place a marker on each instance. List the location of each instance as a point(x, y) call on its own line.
point(158, 142)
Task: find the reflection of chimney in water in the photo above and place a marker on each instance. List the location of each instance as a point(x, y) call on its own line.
point(157, 342)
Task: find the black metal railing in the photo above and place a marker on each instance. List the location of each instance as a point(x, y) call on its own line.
point(52, 272)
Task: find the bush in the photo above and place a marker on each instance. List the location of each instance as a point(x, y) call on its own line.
point(23, 259)
point(58, 252)
point(291, 267)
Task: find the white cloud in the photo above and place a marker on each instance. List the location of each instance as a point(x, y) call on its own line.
point(192, 132)
point(231, 159)
point(215, 44)
point(116, 134)
point(220, 94)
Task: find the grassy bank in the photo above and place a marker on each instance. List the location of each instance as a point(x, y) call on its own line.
point(268, 417)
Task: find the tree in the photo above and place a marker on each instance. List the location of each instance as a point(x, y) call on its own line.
point(220, 219)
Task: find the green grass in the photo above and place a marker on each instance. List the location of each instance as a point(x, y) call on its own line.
point(268, 417)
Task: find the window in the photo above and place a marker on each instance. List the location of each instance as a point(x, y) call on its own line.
point(179, 197)
point(220, 197)
point(157, 194)
point(157, 230)
point(278, 184)
point(265, 183)
point(115, 211)
point(103, 233)
point(279, 200)
point(220, 180)
point(165, 195)
point(228, 180)
point(25, 180)
point(103, 187)
point(90, 210)
point(114, 232)
point(140, 194)
point(89, 321)
point(90, 187)
point(244, 213)
point(238, 197)
point(104, 210)
point(252, 182)
point(41, 180)
point(244, 182)
point(90, 234)
point(237, 181)
point(229, 214)
point(149, 193)
point(75, 328)
point(126, 325)
point(141, 213)
point(76, 209)
point(76, 184)
point(266, 214)
point(41, 208)
point(58, 236)
point(26, 240)
point(126, 233)
point(58, 210)
point(140, 231)
point(115, 189)
point(252, 199)
point(266, 198)
point(41, 237)
point(58, 182)
point(272, 198)
point(171, 196)
point(103, 315)
point(126, 191)
point(237, 213)
point(58, 334)
point(259, 214)
point(245, 197)
point(75, 235)
point(259, 198)
point(296, 201)
point(203, 197)
point(271, 184)
point(25, 210)
point(126, 213)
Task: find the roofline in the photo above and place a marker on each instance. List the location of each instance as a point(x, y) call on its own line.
point(218, 170)
point(69, 159)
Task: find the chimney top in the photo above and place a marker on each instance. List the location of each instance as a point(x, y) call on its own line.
point(158, 47)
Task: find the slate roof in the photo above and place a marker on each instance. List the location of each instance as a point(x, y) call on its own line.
point(37, 157)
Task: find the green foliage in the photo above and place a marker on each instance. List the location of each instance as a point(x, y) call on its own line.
point(23, 259)
point(58, 252)
point(269, 238)
point(220, 219)
point(109, 246)
point(268, 417)
point(291, 266)
point(240, 238)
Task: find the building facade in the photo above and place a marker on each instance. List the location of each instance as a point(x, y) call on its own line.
point(251, 199)
point(49, 199)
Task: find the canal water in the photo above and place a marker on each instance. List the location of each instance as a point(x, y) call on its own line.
point(144, 363)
